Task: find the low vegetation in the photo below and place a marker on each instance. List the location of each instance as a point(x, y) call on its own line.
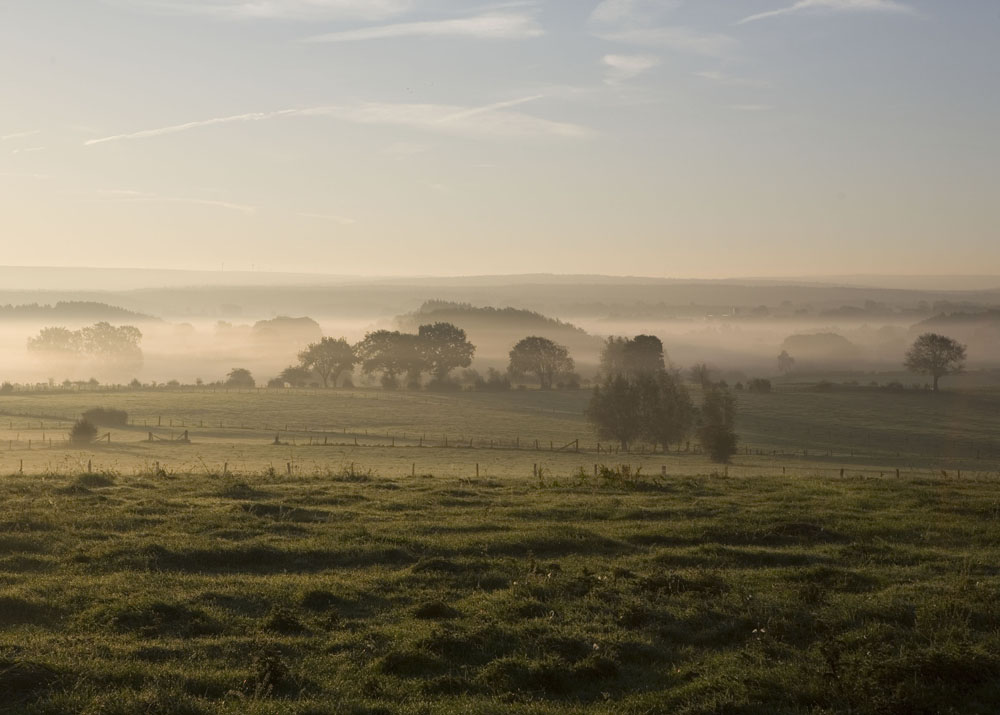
point(354, 592)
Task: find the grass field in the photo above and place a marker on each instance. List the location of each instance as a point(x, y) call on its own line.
point(235, 575)
point(803, 431)
point(356, 593)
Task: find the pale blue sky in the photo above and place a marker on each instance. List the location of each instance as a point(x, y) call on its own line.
point(697, 138)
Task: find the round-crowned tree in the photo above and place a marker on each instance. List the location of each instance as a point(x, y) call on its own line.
point(240, 377)
point(935, 355)
point(540, 357)
point(329, 359)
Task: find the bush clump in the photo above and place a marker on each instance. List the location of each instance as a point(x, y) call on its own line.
point(106, 417)
point(83, 431)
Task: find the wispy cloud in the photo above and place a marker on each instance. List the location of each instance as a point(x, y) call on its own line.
point(731, 81)
point(28, 150)
point(342, 220)
point(886, 6)
point(130, 195)
point(275, 9)
point(677, 38)
point(646, 23)
point(489, 120)
point(469, 113)
point(494, 25)
point(612, 11)
point(623, 67)
point(187, 126)
point(20, 135)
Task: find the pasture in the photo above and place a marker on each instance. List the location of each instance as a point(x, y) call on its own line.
point(506, 434)
point(232, 575)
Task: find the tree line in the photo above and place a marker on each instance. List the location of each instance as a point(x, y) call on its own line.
point(400, 359)
point(116, 344)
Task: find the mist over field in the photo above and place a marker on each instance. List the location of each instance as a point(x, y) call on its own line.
point(204, 330)
point(427, 357)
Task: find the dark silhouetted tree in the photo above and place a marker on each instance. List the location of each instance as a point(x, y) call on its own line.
point(785, 362)
point(329, 359)
point(445, 347)
point(614, 410)
point(666, 409)
point(540, 357)
point(641, 355)
point(935, 355)
point(240, 377)
point(392, 353)
point(294, 375)
point(654, 407)
point(718, 420)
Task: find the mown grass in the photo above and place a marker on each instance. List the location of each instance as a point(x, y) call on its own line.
point(355, 592)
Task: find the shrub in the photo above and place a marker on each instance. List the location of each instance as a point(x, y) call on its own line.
point(759, 384)
point(719, 441)
point(6, 388)
point(82, 432)
point(106, 417)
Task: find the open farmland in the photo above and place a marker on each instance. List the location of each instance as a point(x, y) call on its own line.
point(399, 574)
point(796, 429)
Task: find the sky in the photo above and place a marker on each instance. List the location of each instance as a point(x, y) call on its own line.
point(675, 138)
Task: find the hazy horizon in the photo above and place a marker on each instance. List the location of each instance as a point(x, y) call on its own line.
point(112, 279)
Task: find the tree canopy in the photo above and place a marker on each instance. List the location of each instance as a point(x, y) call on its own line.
point(540, 357)
point(654, 407)
point(718, 421)
point(240, 377)
point(113, 345)
point(445, 347)
point(641, 355)
point(328, 359)
point(935, 355)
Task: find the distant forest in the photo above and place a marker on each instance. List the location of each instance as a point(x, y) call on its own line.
point(76, 310)
point(448, 311)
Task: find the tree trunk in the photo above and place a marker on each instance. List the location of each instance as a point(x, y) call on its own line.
point(936, 376)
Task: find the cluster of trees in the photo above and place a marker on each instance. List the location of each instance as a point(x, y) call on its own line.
point(639, 399)
point(117, 344)
point(435, 349)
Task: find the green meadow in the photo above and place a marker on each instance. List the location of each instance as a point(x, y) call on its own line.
point(234, 575)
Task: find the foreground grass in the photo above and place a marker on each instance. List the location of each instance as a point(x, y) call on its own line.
point(351, 592)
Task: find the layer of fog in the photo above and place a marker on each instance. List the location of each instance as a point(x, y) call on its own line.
point(208, 350)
